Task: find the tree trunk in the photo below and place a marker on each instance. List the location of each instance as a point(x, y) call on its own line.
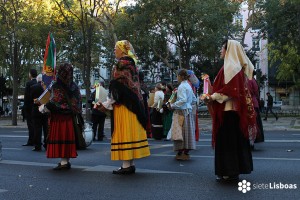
point(15, 84)
point(88, 69)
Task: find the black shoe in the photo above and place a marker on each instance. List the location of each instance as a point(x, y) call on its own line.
point(133, 168)
point(227, 178)
point(276, 118)
point(37, 149)
point(62, 167)
point(27, 144)
point(128, 170)
point(100, 139)
point(265, 119)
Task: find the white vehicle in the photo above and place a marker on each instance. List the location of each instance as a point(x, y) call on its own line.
point(277, 104)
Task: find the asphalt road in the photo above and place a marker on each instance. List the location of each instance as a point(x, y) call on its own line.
point(26, 175)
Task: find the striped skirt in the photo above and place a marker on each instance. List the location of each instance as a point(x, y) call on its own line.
point(61, 137)
point(129, 139)
point(188, 132)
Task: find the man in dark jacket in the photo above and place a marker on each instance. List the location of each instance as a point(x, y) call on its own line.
point(28, 103)
point(40, 121)
point(98, 119)
point(270, 106)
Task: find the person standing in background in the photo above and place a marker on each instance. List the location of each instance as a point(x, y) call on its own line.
point(98, 119)
point(184, 106)
point(40, 121)
point(253, 88)
point(167, 113)
point(28, 104)
point(145, 94)
point(157, 117)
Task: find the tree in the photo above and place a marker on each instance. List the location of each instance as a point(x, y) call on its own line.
point(283, 31)
point(19, 49)
point(189, 31)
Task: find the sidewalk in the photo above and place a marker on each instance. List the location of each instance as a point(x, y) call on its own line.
point(283, 124)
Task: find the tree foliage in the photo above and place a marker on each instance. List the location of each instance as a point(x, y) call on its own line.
point(283, 31)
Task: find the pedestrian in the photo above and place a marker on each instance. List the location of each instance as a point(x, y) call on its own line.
point(28, 104)
point(270, 107)
point(129, 140)
point(183, 106)
point(98, 119)
point(259, 136)
point(39, 120)
point(232, 113)
point(65, 103)
point(167, 113)
point(156, 116)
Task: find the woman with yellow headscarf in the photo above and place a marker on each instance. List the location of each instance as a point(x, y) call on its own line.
point(129, 139)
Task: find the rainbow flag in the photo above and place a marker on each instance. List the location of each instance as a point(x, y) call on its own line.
point(49, 60)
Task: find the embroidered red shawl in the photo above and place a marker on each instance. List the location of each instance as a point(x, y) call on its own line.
point(237, 90)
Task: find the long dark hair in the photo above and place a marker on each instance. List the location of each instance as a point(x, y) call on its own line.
point(224, 43)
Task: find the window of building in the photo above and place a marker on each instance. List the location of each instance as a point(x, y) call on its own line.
point(255, 44)
point(238, 19)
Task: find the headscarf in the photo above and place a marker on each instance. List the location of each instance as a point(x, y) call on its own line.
point(232, 82)
point(127, 49)
point(63, 86)
point(235, 60)
point(193, 78)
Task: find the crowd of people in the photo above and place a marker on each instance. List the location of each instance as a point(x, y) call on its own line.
point(165, 112)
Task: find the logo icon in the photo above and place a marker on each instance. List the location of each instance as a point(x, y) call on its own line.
point(244, 186)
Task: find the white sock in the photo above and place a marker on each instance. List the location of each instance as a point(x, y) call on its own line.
point(64, 161)
point(126, 163)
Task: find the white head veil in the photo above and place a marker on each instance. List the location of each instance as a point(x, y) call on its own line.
point(235, 60)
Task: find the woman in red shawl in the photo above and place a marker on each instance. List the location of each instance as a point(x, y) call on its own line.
point(233, 114)
point(65, 101)
point(129, 139)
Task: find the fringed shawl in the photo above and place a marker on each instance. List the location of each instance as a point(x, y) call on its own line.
point(125, 88)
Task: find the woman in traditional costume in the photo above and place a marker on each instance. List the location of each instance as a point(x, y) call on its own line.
point(194, 83)
point(129, 139)
point(65, 102)
point(183, 106)
point(253, 87)
point(233, 114)
point(157, 116)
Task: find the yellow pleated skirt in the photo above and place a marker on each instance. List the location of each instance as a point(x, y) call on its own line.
point(129, 139)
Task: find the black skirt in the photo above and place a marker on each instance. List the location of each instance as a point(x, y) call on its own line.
point(232, 150)
point(157, 125)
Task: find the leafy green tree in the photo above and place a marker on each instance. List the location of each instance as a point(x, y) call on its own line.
point(188, 31)
point(20, 50)
point(283, 31)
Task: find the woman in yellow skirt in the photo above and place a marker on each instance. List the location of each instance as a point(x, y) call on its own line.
point(129, 139)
